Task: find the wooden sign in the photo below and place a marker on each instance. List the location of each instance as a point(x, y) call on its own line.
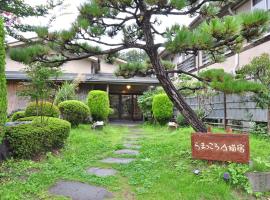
point(220, 147)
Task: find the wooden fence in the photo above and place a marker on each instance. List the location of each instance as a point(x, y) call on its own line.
point(241, 110)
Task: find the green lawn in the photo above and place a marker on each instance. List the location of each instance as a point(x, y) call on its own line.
point(163, 170)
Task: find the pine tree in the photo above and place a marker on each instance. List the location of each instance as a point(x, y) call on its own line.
point(137, 23)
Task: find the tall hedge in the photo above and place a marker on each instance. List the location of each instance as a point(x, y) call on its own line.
point(98, 102)
point(3, 88)
point(162, 108)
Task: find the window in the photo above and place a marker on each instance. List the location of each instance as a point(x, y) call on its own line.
point(259, 4)
point(255, 2)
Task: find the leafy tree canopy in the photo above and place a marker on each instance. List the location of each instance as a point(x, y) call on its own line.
point(227, 83)
point(134, 56)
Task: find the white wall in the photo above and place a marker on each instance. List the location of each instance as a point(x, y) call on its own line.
point(77, 66)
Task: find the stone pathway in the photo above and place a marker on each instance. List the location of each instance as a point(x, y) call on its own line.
point(82, 191)
point(127, 152)
point(118, 160)
point(132, 146)
point(101, 171)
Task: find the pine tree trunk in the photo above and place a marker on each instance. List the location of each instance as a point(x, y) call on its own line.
point(162, 76)
point(175, 96)
point(181, 104)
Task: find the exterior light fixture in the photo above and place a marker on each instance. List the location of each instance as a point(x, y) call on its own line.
point(128, 87)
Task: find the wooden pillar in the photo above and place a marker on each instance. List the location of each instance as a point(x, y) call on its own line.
point(132, 107)
point(225, 111)
point(108, 88)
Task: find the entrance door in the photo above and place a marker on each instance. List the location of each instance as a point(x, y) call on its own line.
point(125, 107)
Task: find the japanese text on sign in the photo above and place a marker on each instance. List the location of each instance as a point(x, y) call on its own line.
point(200, 146)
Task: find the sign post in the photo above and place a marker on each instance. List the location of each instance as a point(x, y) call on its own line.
point(220, 147)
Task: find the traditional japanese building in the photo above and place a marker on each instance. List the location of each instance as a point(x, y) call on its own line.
point(94, 74)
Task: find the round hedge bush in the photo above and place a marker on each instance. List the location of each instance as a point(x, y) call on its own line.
point(98, 102)
point(17, 115)
point(29, 140)
point(162, 108)
point(31, 118)
point(48, 109)
point(74, 111)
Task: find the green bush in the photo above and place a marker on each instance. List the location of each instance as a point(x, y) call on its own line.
point(30, 140)
point(66, 92)
point(145, 103)
point(162, 108)
point(98, 102)
point(17, 115)
point(181, 121)
point(74, 111)
point(42, 109)
point(31, 118)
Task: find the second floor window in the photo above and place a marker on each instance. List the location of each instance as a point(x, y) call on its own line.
point(259, 4)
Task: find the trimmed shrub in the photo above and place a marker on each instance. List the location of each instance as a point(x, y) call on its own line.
point(74, 111)
point(30, 140)
point(162, 108)
point(42, 109)
point(17, 115)
point(98, 102)
point(31, 118)
point(3, 87)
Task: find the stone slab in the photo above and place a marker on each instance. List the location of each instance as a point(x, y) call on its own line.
point(132, 146)
point(135, 137)
point(134, 142)
point(118, 160)
point(127, 151)
point(260, 181)
point(80, 191)
point(101, 171)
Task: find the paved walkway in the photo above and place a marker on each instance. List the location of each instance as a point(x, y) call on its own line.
point(82, 191)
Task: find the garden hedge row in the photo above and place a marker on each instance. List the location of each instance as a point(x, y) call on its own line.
point(29, 140)
point(74, 111)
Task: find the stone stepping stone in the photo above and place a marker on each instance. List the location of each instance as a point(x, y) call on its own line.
point(80, 191)
point(127, 151)
point(101, 171)
point(118, 160)
point(135, 137)
point(128, 145)
point(134, 142)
